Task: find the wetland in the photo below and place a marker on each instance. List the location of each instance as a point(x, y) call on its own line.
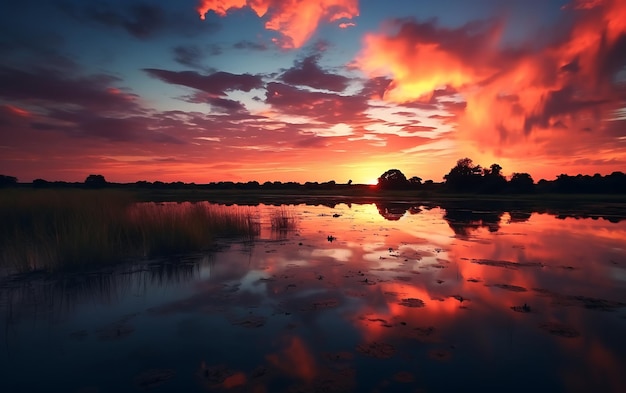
point(335, 296)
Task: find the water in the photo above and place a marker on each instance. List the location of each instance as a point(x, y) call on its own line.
point(404, 298)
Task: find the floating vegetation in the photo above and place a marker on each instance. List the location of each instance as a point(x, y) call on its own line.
point(424, 331)
point(581, 301)
point(153, 378)
point(377, 350)
point(523, 309)
point(508, 287)
point(440, 354)
point(506, 264)
point(253, 321)
point(412, 302)
point(558, 329)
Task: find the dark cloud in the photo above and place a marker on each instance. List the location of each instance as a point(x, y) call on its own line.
point(562, 102)
point(375, 87)
point(189, 55)
point(217, 83)
point(249, 45)
point(418, 128)
point(308, 73)
point(140, 19)
point(405, 113)
point(86, 106)
point(311, 142)
point(55, 88)
point(331, 108)
point(472, 41)
point(226, 105)
point(453, 106)
point(87, 124)
point(612, 59)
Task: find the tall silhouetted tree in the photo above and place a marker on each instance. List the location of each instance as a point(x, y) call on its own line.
point(493, 181)
point(615, 182)
point(393, 179)
point(95, 181)
point(521, 183)
point(465, 176)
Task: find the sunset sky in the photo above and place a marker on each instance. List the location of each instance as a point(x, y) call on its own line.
point(298, 90)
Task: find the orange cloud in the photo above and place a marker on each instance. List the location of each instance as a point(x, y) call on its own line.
point(550, 99)
point(220, 7)
point(421, 58)
point(296, 20)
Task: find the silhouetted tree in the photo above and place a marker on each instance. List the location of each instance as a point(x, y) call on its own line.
point(7, 181)
point(465, 176)
point(95, 181)
point(565, 183)
point(521, 183)
point(415, 181)
point(393, 179)
point(493, 181)
point(616, 182)
point(40, 183)
point(252, 185)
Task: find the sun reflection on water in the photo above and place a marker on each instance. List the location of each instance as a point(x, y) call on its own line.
point(354, 297)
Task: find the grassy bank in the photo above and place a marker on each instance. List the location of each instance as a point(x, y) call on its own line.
point(60, 229)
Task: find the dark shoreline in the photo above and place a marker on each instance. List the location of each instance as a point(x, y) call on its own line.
point(610, 207)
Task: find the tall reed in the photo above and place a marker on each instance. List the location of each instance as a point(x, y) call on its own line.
point(283, 219)
point(57, 229)
point(166, 228)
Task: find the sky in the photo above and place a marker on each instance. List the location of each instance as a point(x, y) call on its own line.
point(297, 90)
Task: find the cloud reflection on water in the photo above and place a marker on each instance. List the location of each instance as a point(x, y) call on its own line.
point(527, 299)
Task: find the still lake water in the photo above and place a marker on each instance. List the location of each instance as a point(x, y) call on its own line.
point(404, 299)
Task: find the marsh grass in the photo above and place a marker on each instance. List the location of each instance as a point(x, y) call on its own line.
point(169, 228)
point(65, 229)
point(283, 219)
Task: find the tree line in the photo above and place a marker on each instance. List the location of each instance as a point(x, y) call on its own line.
point(467, 177)
point(464, 177)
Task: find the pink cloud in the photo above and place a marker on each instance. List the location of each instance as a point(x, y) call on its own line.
point(296, 20)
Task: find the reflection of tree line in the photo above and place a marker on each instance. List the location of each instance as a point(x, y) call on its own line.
point(479, 210)
point(464, 216)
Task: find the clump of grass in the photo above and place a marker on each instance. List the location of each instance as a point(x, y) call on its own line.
point(170, 228)
point(60, 229)
point(283, 219)
point(40, 229)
